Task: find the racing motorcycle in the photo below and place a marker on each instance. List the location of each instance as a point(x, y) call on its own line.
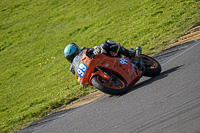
point(114, 75)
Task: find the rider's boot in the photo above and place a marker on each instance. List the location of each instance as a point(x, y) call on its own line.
point(140, 63)
point(138, 51)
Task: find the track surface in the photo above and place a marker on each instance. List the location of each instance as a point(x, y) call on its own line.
point(168, 103)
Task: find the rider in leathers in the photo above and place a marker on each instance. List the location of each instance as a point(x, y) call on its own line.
point(107, 47)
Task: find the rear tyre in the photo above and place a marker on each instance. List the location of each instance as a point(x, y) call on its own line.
point(152, 67)
point(117, 87)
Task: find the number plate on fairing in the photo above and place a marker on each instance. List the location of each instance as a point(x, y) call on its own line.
point(81, 70)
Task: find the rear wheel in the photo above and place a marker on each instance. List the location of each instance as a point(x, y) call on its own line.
point(152, 67)
point(116, 87)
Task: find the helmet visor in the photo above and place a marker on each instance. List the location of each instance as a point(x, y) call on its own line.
point(70, 58)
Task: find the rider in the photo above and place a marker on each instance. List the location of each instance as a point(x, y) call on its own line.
point(107, 47)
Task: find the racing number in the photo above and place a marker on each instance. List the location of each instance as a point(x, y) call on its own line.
point(81, 70)
point(124, 61)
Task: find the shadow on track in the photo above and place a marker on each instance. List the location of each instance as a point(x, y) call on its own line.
point(153, 79)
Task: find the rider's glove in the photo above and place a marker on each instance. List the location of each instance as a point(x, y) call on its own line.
point(71, 68)
point(97, 50)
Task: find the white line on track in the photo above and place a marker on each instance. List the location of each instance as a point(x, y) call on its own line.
point(180, 54)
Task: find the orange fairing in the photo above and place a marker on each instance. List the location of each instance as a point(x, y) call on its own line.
point(119, 66)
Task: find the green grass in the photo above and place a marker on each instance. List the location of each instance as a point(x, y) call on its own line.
point(33, 34)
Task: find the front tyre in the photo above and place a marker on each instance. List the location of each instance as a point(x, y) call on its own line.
point(152, 67)
point(117, 87)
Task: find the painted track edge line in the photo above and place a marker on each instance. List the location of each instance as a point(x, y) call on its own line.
point(180, 54)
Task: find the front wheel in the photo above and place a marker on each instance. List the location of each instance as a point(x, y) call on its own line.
point(117, 87)
point(152, 67)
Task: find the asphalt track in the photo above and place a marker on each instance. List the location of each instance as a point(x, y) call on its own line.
point(168, 103)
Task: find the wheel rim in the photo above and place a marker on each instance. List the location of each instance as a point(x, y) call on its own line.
point(117, 84)
point(150, 62)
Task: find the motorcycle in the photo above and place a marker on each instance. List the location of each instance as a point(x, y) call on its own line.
point(114, 75)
